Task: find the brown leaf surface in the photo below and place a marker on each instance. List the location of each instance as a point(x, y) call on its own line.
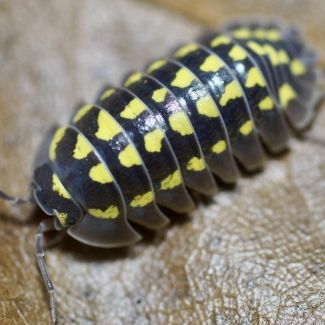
point(255, 254)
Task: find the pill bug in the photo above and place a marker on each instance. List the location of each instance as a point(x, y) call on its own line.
point(186, 121)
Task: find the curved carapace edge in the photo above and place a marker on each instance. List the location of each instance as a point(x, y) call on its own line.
point(207, 107)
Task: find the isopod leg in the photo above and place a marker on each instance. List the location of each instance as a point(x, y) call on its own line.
point(45, 226)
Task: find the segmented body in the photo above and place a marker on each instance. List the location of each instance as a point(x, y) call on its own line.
point(200, 112)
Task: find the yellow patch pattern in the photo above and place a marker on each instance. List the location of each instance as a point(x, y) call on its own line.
point(180, 123)
point(260, 33)
point(58, 187)
point(142, 200)
point(283, 57)
point(206, 106)
point(266, 104)
point(212, 64)
point(153, 139)
point(274, 35)
point(129, 157)
point(107, 126)
point(237, 53)
point(196, 164)
point(82, 112)
point(257, 48)
point(62, 217)
point(107, 93)
point(100, 174)
point(297, 67)
point(272, 54)
point(246, 128)
point(134, 77)
point(156, 65)
point(232, 91)
point(183, 51)
point(159, 95)
point(133, 109)
point(276, 58)
point(220, 40)
point(254, 78)
point(171, 181)
point(242, 33)
point(111, 212)
point(82, 148)
point(286, 94)
point(59, 134)
point(183, 78)
point(219, 147)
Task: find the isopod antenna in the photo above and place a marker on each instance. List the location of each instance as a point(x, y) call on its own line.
point(16, 200)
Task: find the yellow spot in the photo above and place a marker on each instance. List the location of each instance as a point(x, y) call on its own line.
point(183, 78)
point(254, 77)
point(156, 65)
point(297, 67)
point(220, 40)
point(82, 148)
point(264, 34)
point(219, 147)
point(180, 123)
point(152, 140)
point(255, 47)
point(134, 77)
point(107, 93)
point(237, 53)
point(246, 128)
point(129, 156)
point(275, 57)
point(232, 91)
point(142, 200)
point(242, 33)
point(100, 174)
point(283, 57)
point(286, 94)
point(159, 95)
point(274, 35)
point(62, 217)
point(206, 106)
point(196, 164)
point(260, 33)
point(110, 213)
point(183, 51)
point(266, 104)
point(107, 126)
point(272, 54)
point(82, 112)
point(212, 64)
point(171, 181)
point(133, 109)
point(59, 134)
point(58, 187)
